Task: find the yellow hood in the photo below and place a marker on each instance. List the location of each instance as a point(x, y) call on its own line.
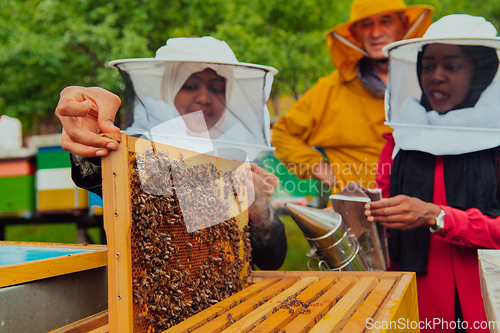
point(346, 50)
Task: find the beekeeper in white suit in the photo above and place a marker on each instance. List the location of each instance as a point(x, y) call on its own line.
point(443, 204)
point(194, 95)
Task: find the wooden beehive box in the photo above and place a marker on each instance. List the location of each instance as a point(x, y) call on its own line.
point(45, 285)
point(159, 273)
point(313, 302)
point(303, 302)
point(162, 278)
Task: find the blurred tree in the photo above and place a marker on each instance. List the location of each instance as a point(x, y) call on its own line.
point(490, 10)
point(286, 34)
point(46, 45)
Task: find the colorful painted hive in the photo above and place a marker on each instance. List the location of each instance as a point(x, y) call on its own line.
point(56, 191)
point(17, 184)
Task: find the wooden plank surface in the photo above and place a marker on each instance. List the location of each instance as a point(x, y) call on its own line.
point(103, 329)
point(255, 317)
point(57, 245)
point(402, 303)
point(99, 322)
point(279, 319)
point(258, 275)
point(335, 319)
point(304, 322)
point(222, 307)
point(46, 268)
point(489, 271)
point(244, 309)
point(370, 306)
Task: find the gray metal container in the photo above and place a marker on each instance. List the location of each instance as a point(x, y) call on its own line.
point(333, 247)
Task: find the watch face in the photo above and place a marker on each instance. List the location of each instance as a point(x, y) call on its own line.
point(439, 221)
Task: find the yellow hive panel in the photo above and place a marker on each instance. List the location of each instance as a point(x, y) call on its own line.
point(73, 198)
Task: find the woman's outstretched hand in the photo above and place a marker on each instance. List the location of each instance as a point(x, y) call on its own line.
point(402, 212)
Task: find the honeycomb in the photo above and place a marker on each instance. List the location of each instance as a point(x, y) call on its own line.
point(177, 273)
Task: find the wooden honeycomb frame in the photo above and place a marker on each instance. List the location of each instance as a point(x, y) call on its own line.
point(130, 308)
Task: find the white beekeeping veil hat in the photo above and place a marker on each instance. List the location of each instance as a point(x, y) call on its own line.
point(153, 83)
point(416, 110)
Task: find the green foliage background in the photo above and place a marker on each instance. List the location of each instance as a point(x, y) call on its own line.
point(46, 45)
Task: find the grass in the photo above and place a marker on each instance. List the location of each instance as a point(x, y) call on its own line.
point(295, 260)
point(48, 233)
point(298, 247)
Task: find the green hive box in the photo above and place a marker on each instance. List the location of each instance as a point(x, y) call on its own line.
point(17, 197)
point(52, 158)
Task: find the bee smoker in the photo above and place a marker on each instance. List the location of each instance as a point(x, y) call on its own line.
point(333, 246)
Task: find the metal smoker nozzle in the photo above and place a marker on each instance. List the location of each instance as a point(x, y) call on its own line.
point(314, 222)
point(333, 245)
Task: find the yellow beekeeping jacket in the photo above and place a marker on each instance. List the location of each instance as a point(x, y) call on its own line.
point(341, 116)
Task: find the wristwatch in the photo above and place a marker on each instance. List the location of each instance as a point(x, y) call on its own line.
point(439, 223)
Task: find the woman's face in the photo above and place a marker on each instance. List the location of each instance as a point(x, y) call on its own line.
point(446, 76)
point(203, 91)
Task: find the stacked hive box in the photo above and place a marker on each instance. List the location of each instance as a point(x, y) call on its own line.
point(56, 192)
point(17, 181)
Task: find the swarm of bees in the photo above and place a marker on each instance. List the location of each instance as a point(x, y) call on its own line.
point(176, 273)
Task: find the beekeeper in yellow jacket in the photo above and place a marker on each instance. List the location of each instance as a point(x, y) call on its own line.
point(334, 131)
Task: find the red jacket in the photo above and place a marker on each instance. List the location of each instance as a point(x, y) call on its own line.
point(452, 257)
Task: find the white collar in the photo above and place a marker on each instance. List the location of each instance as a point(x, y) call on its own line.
point(456, 132)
